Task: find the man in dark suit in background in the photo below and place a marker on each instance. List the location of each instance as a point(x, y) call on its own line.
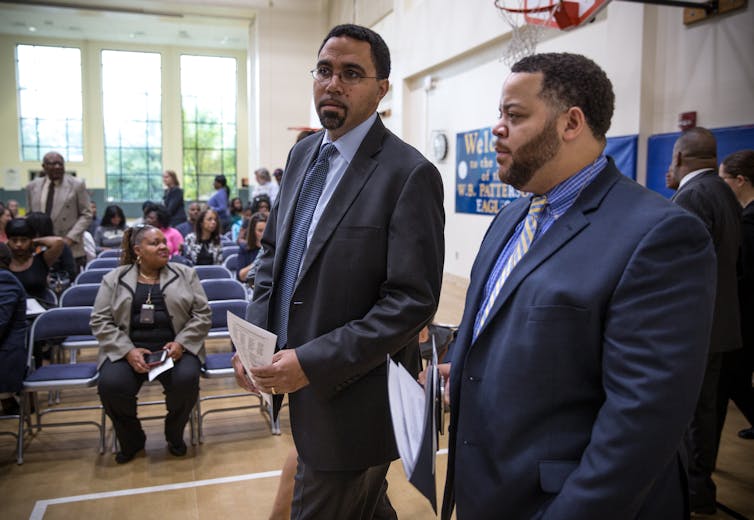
point(65, 199)
point(584, 336)
point(351, 272)
point(701, 191)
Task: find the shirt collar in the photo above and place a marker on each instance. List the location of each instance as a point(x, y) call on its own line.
point(562, 196)
point(691, 175)
point(348, 144)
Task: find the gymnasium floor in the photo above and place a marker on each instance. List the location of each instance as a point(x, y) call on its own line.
point(234, 473)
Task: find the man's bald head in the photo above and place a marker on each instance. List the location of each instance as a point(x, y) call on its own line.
point(694, 150)
point(697, 146)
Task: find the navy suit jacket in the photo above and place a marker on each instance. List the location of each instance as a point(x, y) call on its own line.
point(573, 400)
point(369, 281)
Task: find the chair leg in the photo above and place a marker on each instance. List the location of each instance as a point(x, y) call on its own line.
point(102, 430)
point(21, 418)
point(274, 423)
point(37, 407)
point(199, 425)
point(192, 428)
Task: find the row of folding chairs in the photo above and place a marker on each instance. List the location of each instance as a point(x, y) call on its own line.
point(205, 272)
point(64, 324)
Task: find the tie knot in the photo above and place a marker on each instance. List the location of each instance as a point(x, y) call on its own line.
point(326, 151)
point(538, 203)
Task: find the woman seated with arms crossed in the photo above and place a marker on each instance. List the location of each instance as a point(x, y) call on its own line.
point(248, 252)
point(148, 305)
point(204, 246)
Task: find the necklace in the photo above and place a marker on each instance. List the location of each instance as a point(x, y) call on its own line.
point(149, 278)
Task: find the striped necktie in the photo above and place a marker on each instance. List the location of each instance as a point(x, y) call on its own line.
point(522, 246)
point(311, 190)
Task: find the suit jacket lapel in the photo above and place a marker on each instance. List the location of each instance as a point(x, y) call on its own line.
point(560, 233)
point(354, 178)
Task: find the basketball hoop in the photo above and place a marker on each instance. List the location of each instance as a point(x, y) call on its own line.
point(528, 18)
point(524, 35)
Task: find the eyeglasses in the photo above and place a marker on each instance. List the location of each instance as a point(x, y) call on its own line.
point(347, 77)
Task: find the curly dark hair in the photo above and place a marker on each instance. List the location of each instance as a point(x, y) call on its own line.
point(572, 80)
point(161, 214)
point(380, 51)
point(258, 200)
point(740, 163)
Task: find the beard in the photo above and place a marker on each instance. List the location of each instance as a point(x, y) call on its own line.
point(332, 120)
point(531, 156)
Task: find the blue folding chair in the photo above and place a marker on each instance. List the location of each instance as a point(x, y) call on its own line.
point(230, 250)
point(52, 325)
point(231, 263)
point(207, 272)
point(219, 365)
point(110, 253)
point(223, 289)
point(92, 275)
point(103, 263)
point(79, 296)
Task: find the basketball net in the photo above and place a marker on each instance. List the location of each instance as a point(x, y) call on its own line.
point(524, 36)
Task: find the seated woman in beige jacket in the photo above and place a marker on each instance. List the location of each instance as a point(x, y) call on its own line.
point(147, 305)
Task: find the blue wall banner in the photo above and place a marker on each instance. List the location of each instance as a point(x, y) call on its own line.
point(660, 152)
point(478, 189)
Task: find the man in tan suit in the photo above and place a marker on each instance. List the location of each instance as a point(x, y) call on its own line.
point(65, 199)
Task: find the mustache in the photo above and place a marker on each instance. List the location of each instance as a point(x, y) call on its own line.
point(330, 101)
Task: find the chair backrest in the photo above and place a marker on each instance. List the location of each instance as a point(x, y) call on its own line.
point(51, 297)
point(59, 322)
point(231, 262)
point(79, 295)
point(103, 263)
point(91, 276)
point(223, 289)
point(207, 272)
point(110, 253)
point(230, 250)
point(220, 310)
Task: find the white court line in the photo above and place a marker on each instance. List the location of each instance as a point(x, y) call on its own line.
point(40, 507)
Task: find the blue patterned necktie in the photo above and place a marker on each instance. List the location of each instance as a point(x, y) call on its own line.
point(311, 190)
point(522, 246)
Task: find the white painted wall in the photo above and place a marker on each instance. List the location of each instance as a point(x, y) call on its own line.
point(658, 67)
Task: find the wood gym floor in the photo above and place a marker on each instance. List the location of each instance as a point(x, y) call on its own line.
point(235, 471)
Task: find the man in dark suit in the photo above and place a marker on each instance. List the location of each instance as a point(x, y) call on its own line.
point(737, 170)
point(701, 191)
point(583, 340)
point(65, 199)
point(348, 276)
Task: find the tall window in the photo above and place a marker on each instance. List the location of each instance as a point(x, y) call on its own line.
point(49, 94)
point(208, 93)
point(132, 110)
